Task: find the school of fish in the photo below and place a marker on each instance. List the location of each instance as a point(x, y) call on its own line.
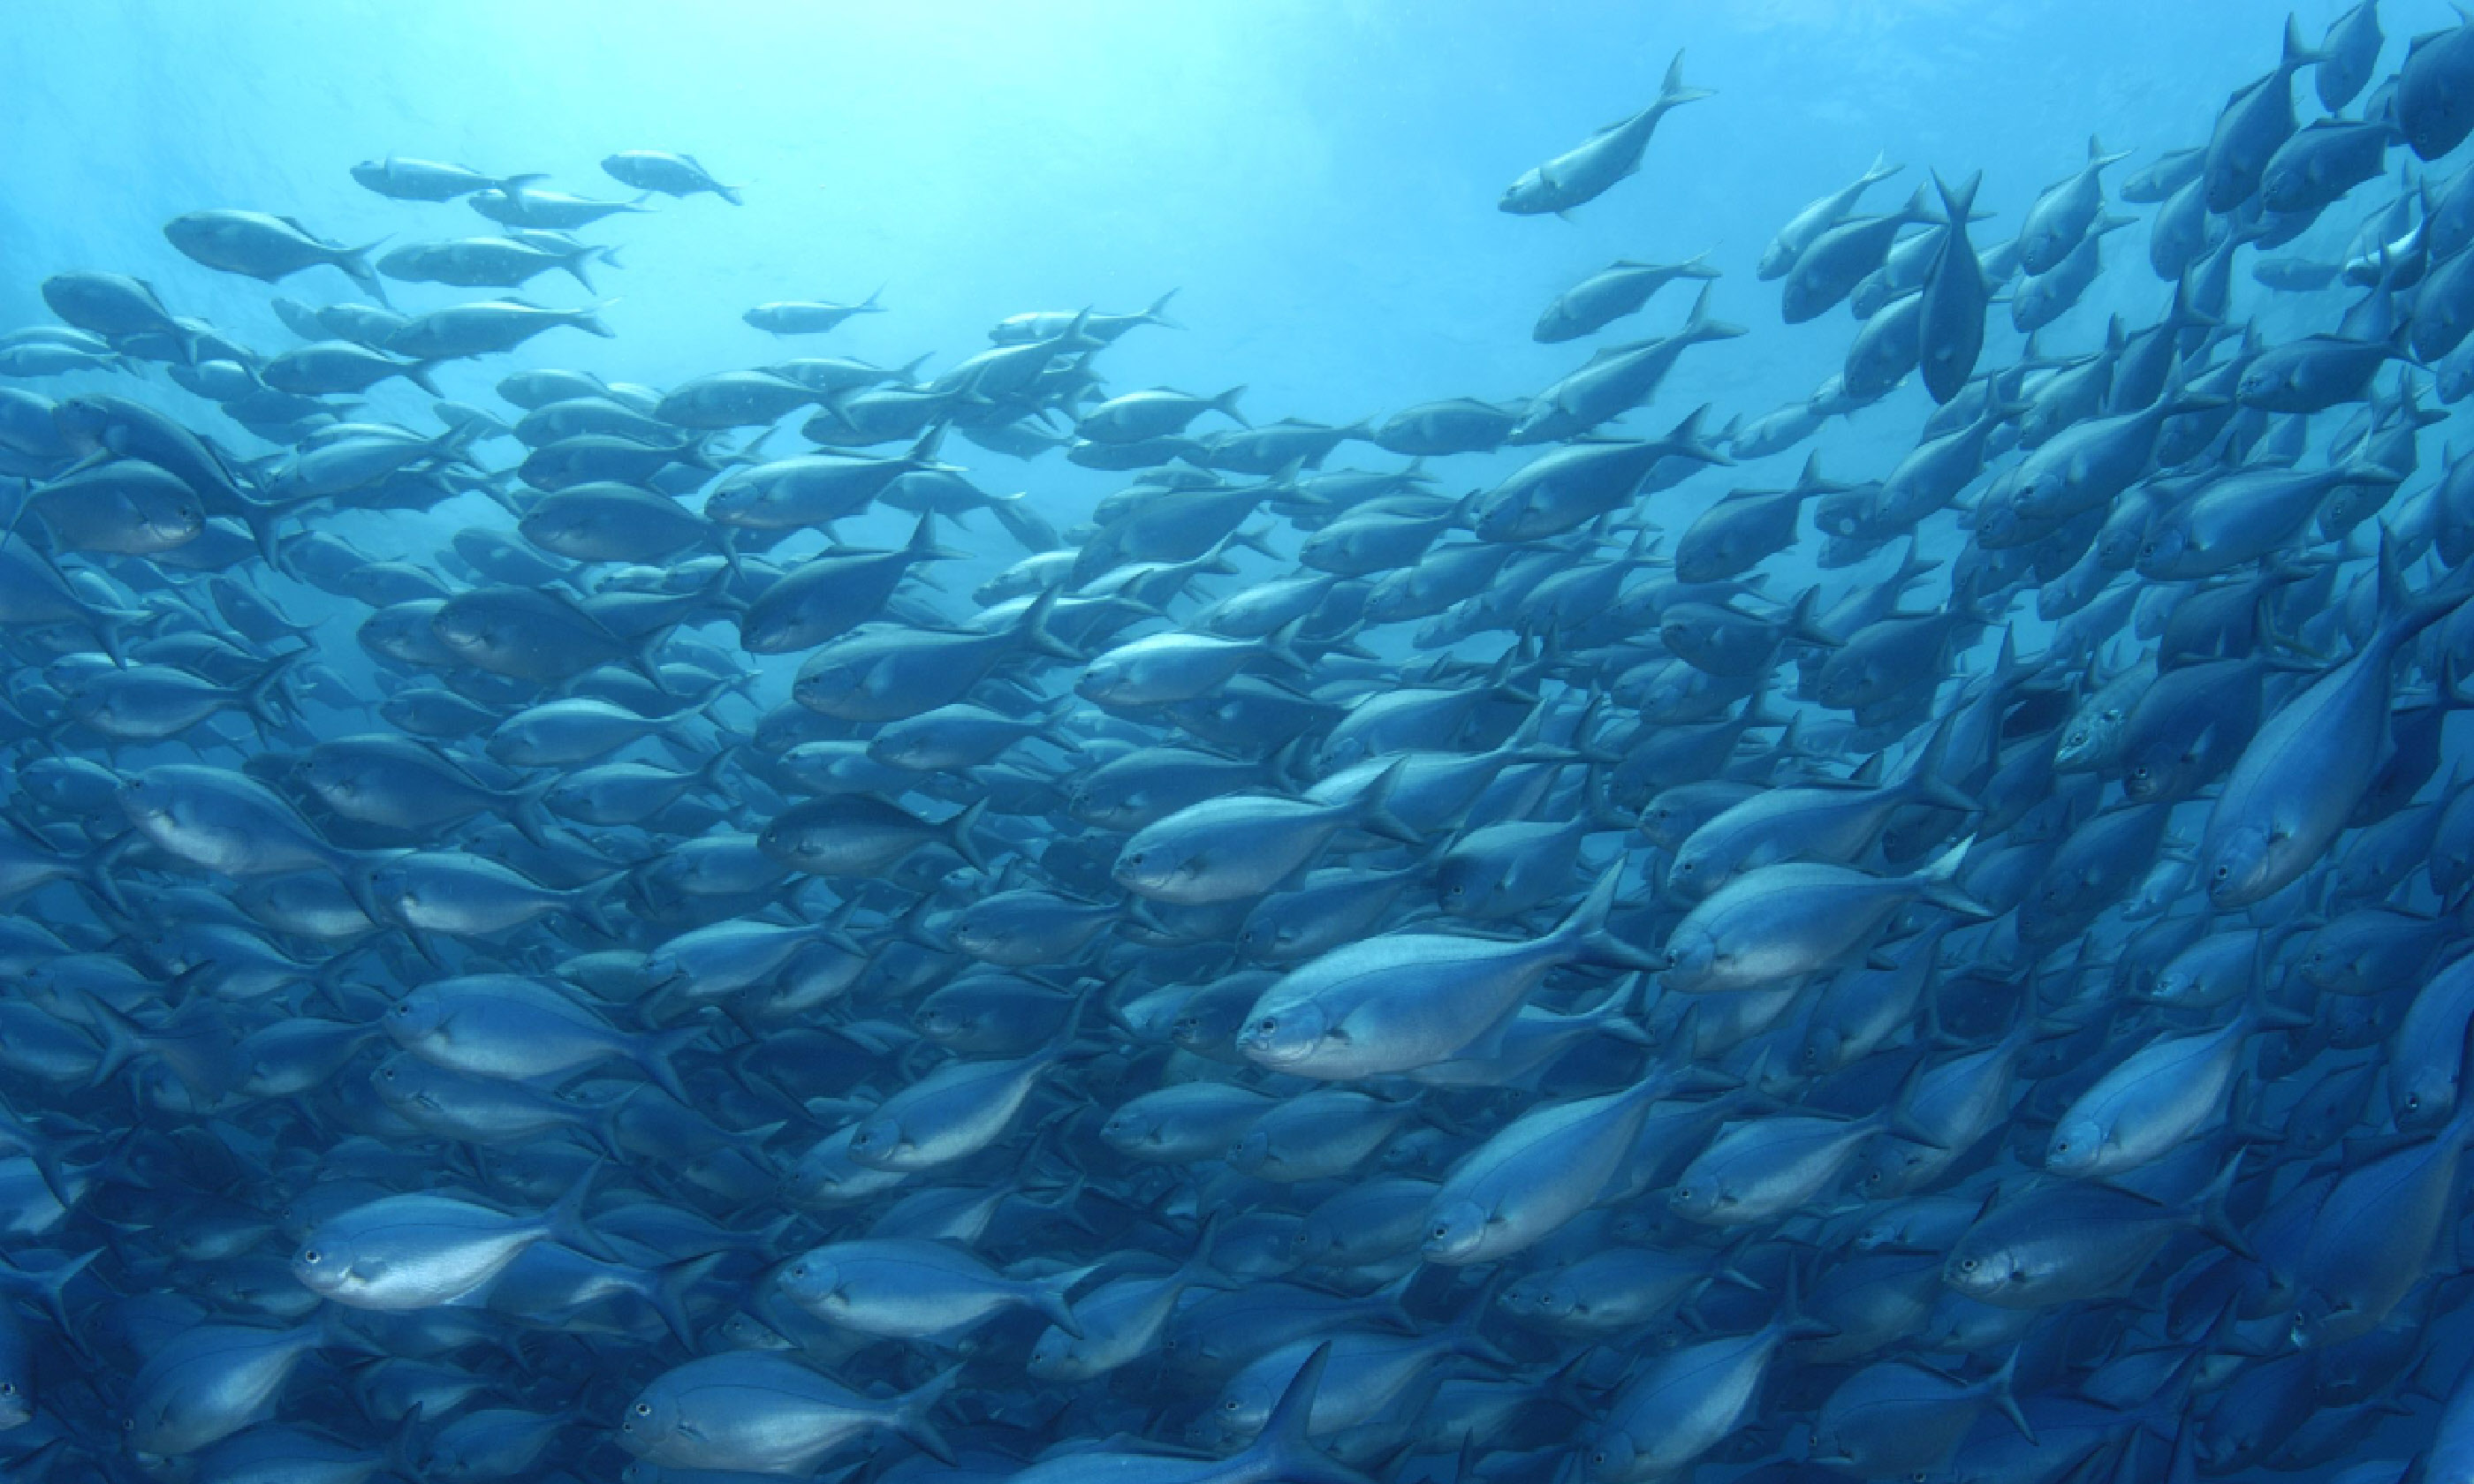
point(1960, 975)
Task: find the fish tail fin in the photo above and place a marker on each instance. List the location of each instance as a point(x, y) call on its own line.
point(963, 832)
point(911, 1417)
point(1280, 646)
point(1915, 564)
point(1227, 403)
point(1673, 92)
point(1938, 883)
point(1372, 812)
point(2297, 53)
point(655, 1052)
point(268, 702)
point(1585, 932)
point(1803, 627)
point(1957, 205)
point(51, 1285)
point(1928, 779)
point(123, 1042)
point(2212, 1218)
point(355, 264)
point(1157, 313)
point(729, 193)
point(1700, 326)
point(669, 1286)
point(1049, 1297)
point(1038, 637)
point(418, 372)
point(590, 321)
point(1686, 440)
point(567, 1222)
point(2000, 1390)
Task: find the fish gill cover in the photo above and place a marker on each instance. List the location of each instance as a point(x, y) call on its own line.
point(1235, 742)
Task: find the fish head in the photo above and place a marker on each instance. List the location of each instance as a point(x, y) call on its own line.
point(400, 1081)
point(83, 422)
point(2421, 1097)
point(2321, 1320)
point(2162, 551)
point(1693, 958)
point(174, 523)
point(1824, 1049)
point(2170, 987)
point(1155, 868)
point(1283, 1037)
point(151, 803)
point(2262, 380)
point(1980, 1270)
point(1253, 1155)
point(1127, 1130)
point(327, 1266)
point(1700, 1197)
point(1558, 1299)
point(1053, 1358)
point(941, 1022)
point(415, 1019)
point(1456, 1231)
point(1530, 194)
point(466, 629)
point(1521, 1296)
point(1501, 518)
point(734, 503)
point(1239, 1414)
point(2240, 867)
point(824, 683)
point(650, 1421)
point(878, 1142)
point(394, 888)
point(902, 748)
point(1693, 874)
point(1103, 680)
point(814, 1283)
point(2074, 1147)
point(1611, 1454)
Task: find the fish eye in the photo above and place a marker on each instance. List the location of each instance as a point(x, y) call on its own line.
point(1967, 1264)
point(1268, 1024)
point(311, 1256)
point(644, 1409)
point(2224, 872)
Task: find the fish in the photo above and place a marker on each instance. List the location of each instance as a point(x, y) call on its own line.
point(666, 174)
point(1588, 170)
